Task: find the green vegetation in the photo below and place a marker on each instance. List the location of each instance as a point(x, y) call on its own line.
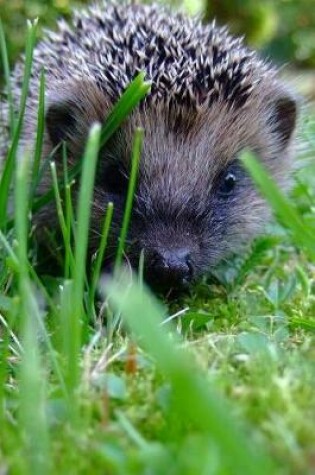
point(219, 382)
point(283, 28)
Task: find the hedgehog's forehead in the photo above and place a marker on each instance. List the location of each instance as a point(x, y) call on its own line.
point(197, 138)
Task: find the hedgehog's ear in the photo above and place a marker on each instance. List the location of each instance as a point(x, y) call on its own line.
point(61, 121)
point(284, 117)
point(72, 110)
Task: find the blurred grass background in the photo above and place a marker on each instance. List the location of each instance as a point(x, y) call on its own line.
point(283, 29)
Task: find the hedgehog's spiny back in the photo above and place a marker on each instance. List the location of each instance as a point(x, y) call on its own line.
point(188, 63)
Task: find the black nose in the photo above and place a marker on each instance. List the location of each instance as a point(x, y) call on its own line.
point(170, 268)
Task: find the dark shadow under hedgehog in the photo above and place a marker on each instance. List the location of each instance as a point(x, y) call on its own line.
point(211, 96)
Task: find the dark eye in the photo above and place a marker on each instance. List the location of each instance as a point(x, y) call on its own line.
point(227, 184)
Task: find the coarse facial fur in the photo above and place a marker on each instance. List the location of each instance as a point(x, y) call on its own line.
point(211, 97)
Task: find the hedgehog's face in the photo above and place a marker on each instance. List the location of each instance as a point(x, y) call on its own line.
point(194, 203)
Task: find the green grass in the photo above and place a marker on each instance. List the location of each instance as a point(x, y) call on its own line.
point(220, 381)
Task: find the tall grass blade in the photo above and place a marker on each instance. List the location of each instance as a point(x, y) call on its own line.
point(101, 251)
point(33, 384)
point(64, 222)
point(136, 154)
point(6, 177)
point(40, 129)
point(302, 233)
point(4, 372)
point(7, 78)
point(80, 254)
point(135, 92)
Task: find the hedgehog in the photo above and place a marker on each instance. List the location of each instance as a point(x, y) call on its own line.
point(211, 96)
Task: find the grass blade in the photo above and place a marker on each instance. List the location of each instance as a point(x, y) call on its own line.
point(101, 251)
point(40, 129)
point(80, 254)
point(136, 154)
point(7, 78)
point(65, 223)
point(302, 233)
point(32, 392)
point(135, 92)
point(10, 161)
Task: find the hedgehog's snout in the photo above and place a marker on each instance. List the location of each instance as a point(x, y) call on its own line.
point(169, 269)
